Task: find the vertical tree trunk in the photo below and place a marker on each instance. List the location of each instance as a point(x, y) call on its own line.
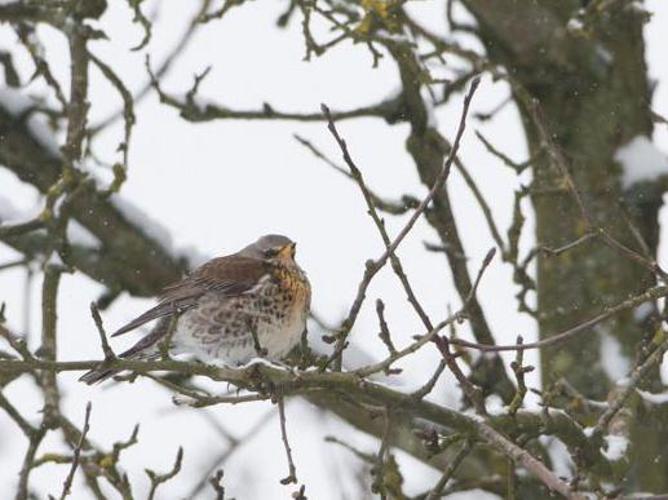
point(594, 93)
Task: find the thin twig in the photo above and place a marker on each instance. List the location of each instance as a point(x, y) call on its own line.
point(13, 263)
point(385, 364)
point(391, 207)
point(8, 231)
point(484, 206)
point(235, 444)
point(216, 482)
point(67, 485)
point(554, 252)
point(529, 462)
point(429, 386)
point(292, 470)
point(120, 171)
point(437, 490)
point(106, 348)
point(259, 350)
point(639, 372)
point(649, 295)
point(520, 371)
point(14, 414)
point(559, 160)
point(17, 343)
point(517, 167)
point(163, 69)
point(35, 440)
point(374, 266)
point(158, 479)
point(384, 333)
point(48, 348)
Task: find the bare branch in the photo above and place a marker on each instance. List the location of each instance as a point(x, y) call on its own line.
point(391, 207)
point(158, 479)
point(106, 348)
point(639, 372)
point(216, 483)
point(8, 231)
point(384, 333)
point(532, 464)
point(429, 386)
point(373, 267)
point(520, 371)
point(67, 485)
point(141, 19)
point(649, 295)
point(438, 488)
point(292, 471)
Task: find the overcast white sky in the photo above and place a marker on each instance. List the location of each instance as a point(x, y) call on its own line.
point(218, 185)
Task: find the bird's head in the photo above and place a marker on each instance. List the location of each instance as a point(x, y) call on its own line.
point(272, 247)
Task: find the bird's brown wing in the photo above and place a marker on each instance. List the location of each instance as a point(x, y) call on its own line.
point(230, 276)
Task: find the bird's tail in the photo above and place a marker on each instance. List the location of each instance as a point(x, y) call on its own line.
point(145, 350)
point(97, 375)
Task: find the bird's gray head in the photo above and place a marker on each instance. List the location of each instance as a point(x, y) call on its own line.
point(271, 247)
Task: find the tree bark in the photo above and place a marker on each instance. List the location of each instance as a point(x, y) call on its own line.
point(595, 97)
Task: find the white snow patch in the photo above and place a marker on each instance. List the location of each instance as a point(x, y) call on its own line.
point(608, 487)
point(183, 400)
point(428, 101)
point(86, 167)
point(604, 54)
point(7, 210)
point(623, 382)
point(574, 25)
point(616, 447)
point(343, 4)
point(9, 213)
point(642, 311)
point(494, 405)
point(471, 413)
point(79, 235)
point(636, 7)
point(265, 362)
point(641, 160)
point(354, 357)
point(55, 260)
point(17, 103)
point(588, 431)
point(562, 464)
point(613, 361)
point(657, 399)
point(395, 37)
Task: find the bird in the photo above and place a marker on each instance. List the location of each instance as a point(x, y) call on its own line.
point(226, 307)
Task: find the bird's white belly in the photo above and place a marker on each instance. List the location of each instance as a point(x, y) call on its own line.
point(221, 333)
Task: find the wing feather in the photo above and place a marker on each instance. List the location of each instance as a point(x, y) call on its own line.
point(230, 276)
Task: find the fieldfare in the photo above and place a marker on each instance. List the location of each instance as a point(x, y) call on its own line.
point(228, 309)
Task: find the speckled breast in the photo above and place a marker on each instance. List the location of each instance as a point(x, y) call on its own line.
point(295, 288)
point(222, 327)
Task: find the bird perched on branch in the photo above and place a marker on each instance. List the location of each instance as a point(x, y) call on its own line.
point(231, 309)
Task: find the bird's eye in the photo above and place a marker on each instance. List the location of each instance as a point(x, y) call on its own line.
point(271, 252)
